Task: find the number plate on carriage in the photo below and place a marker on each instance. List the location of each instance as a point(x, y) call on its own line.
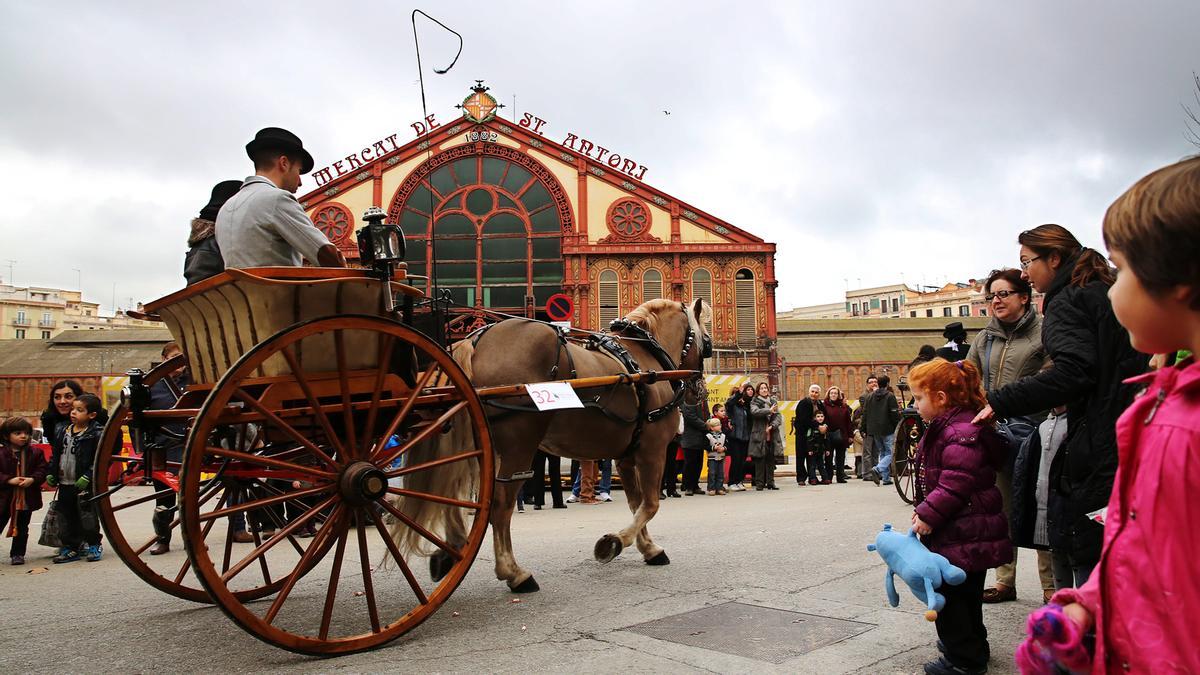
point(553, 395)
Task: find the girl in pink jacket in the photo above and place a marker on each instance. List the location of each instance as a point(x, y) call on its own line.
point(1143, 599)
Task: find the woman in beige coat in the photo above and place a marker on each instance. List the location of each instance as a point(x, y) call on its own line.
point(1012, 346)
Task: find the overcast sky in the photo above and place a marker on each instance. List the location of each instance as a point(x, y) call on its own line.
point(872, 141)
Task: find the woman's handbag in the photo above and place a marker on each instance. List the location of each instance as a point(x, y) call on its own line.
point(836, 439)
point(50, 526)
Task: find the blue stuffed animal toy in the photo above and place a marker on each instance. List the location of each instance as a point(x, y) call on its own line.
point(921, 569)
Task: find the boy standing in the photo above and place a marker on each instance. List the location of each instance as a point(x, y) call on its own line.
point(819, 453)
point(716, 458)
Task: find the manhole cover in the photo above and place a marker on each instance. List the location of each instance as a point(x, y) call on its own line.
point(762, 633)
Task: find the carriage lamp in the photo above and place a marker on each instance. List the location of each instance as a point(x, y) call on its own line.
point(380, 244)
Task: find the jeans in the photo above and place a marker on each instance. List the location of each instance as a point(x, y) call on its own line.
point(605, 478)
point(1068, 573)
point(869, 456)
point(884, 445)
point(716, 477)
point(71, 503)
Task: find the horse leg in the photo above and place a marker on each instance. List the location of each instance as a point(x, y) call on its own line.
point(640, 481)
point(441, 562)
point(514, 441)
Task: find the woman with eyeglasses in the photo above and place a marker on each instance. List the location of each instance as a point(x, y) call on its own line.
point(1090, 357)
point(1006, 350)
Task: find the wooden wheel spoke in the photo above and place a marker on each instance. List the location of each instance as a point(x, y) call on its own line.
point(429, 536)
point(314, 546)
point(436, 498)
point(385, 349)
point(386, 457)
point(203, 535)
point(127, 459)
point(368, 582)
point(266, 501)
point(403, 411)
point(334, 576)
point(402, 471)
point(391, 546)
point(339, 342)
point(143, 499)
point(298, 372)
point(285, 428)
point(276, 517)
point(263, 460)
point(263, 547)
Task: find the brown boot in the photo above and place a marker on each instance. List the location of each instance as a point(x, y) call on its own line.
point(161, 547)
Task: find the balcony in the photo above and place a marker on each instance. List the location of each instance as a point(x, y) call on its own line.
point(21, 321)
point(46, 323)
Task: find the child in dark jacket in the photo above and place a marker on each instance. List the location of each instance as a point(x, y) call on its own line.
point(71, 472)
point(22, 470)
point(959, 511)
point(819, 452)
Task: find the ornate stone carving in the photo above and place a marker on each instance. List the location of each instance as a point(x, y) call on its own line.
point(597, 171)
point(628, 221)
point(659, 200)
point(721, 229)
point(628, 186)
point(690, 215)
point(336, 222)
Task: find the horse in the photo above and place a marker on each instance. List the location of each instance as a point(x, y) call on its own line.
point(629, 423)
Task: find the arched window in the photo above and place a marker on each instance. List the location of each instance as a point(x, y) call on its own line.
point(744, 299)
point(498, 234)
point(652, 285)
point(702, 288)
point(609, 304)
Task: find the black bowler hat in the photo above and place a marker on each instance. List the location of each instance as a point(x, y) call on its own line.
point(280, 139)
point(954, 330)
point(221, 193)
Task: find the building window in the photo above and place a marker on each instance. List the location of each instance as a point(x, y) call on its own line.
point(702, 288)
point(45, 335)
point(856, 309)
point(874, 303)
point(946, 311)
point(21, 317)
point(895, 304)
point(964, 310)
point(20, 333)
point(498, 233)
point(929, 312)
point(744, 297)
point(609, 291)
point(652, 285)
point(983, 312)
point(912, 314)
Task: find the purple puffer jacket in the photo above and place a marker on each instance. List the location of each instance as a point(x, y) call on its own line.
point(957, 494)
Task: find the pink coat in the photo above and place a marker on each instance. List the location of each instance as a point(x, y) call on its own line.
point(1145, 592)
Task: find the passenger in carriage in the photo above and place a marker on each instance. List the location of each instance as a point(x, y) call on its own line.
point(164, 394)
point(263, 225)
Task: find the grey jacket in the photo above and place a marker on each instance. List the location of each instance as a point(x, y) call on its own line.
point(1016, 352)
point(761, 418)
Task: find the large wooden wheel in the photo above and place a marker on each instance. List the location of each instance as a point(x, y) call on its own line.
point(383, 465)
point(130, 491)
point(904, 475)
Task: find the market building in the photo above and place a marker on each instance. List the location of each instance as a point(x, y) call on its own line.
point(503, 218)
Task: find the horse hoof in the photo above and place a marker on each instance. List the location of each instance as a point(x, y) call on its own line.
point(439, 565)
point(608, 547)
point(660, 559)
point(527, 586)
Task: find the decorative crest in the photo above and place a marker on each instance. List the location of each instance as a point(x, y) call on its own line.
point(480, 106)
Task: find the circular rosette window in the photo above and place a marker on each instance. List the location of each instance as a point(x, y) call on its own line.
point(334, 220)
point(628, 219)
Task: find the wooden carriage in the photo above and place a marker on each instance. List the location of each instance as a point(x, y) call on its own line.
point(306, 393)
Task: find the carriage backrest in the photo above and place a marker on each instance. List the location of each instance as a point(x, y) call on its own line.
point(221, 318)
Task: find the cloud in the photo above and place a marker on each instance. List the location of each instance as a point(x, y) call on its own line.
point(869, 140)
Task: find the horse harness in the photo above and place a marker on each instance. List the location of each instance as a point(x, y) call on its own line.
point(609, 343)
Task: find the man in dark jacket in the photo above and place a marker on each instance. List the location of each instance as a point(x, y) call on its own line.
point(695, 445)
point(806, 467)
point(957, 347)
point(1091, 357)
point(881, 414)
point(869, 454)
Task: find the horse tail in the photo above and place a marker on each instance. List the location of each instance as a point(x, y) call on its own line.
point(456, 480)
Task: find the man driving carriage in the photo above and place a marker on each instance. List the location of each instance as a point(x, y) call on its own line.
point(263, 225)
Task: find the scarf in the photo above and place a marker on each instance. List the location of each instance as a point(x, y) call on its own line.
point(201, 229)
point(18, 498)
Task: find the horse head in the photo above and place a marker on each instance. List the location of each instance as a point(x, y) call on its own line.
point(679, 328)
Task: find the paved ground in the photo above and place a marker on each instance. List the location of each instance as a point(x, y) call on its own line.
point(797, 549)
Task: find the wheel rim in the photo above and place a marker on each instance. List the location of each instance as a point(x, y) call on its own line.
point(127, 505)
point(325, 434)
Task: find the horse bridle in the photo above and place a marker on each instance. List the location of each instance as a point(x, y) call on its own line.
point(624, 326)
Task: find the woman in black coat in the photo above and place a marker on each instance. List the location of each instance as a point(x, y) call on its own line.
point(1091, 357)
point(695, 445)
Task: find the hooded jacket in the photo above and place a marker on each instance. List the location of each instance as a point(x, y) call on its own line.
point(85, 452)
point(881, 413)
point(1144, 594)
point(957, 494)
point(203, 258)
point(1091, 357)
point(1016, 351)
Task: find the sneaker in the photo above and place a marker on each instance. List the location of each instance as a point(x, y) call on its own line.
point(18, 560)
point(675, 494)
point(95, 553)
point(573, 499)
point(604, 497)
point(874, 477)
point(711, 493)
point(885, 482)
point(68, 556)
point(722, 492)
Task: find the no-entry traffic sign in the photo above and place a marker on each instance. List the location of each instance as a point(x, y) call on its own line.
point(560, 307)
